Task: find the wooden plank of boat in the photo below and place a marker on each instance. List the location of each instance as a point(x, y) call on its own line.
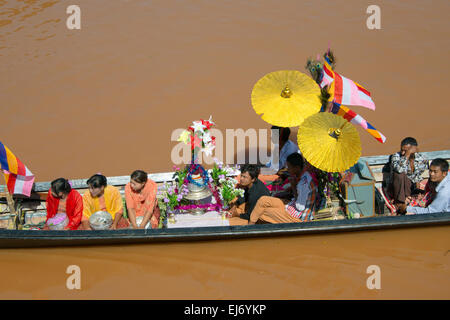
point(31, 238)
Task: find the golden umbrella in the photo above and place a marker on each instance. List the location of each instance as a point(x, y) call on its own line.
point(329, 142)
point(286, 98)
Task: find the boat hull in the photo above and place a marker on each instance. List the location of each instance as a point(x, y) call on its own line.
point(44, 238)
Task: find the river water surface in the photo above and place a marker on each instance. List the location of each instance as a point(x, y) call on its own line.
point(106, 98)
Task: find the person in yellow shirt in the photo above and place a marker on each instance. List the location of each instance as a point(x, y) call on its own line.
point(103, 197)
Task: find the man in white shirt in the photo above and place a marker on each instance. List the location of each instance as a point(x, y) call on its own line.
point(286, 148)
point(441, 202)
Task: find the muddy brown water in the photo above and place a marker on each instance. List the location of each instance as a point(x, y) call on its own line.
point(414, 264)
point(106, 98)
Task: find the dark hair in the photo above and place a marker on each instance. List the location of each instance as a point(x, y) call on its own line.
point(252, 169)
point(409, 140)
point(60, 185)
point(97, 180)
point(283, 132)
point(139, 176)
point(441, 163)
point(295, 159)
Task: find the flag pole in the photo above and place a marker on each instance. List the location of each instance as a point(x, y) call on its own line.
point(8, 196)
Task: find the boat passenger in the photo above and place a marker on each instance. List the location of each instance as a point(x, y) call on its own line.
point(301, 208)
point(140, 196)
point(64, 201)
point(287, 147)
point(407, 167)
point(441, 202)
point(103, 197)
point(254, 189)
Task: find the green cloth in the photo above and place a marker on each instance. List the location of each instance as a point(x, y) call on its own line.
point(125, 212)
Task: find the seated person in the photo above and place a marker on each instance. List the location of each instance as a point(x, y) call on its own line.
point(441, 202)
point(62, 199)
point(254, 189)
point(301, 208)
point(423, 198)
point(286, 148)
point(140, 196)
point(407, 167)
point(102, 197)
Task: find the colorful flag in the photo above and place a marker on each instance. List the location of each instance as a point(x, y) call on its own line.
point(344, 90)
point(328, 74)
point(355, 118)
point(19, 179)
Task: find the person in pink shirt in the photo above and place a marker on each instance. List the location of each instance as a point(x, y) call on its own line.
point(140, 197)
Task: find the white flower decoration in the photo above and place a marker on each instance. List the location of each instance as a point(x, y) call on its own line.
point(198, 126)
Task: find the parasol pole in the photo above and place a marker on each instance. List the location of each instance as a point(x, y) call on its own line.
point(336, 133)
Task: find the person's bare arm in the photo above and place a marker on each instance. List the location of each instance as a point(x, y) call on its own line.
point(117, 218)
point(132, 217)
point(85, 224)
point(147, 216)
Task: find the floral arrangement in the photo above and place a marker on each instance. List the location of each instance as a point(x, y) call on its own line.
point(226, 185)
point(172, 196)
point(228, 190)
point(223, 188)
point(179, 176)
point(328, 184)
point(218, 171)
point(198, 136)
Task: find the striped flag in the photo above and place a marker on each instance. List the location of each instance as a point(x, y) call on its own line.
point(344, 90)
point(19, 179)
point(355, 118)
point(328, 74)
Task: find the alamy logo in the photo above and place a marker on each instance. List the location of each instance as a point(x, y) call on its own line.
point(374, 20)
point(237, 143)
point(374, 281)
point(74, 20)
point(74, 280)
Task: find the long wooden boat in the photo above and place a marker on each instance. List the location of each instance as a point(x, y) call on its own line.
point(41, 238)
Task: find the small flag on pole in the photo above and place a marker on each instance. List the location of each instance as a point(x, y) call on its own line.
point(345, 91)
point(19, 179)
point(328, 74)
point(355, 118)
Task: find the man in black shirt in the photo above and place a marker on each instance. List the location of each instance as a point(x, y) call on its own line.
point(254, 189)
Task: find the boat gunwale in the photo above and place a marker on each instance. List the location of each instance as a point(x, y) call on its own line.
point(33, 238)
point(47, 238)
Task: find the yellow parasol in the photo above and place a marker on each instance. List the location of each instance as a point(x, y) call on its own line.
point(329, 142)
point(286, 98)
